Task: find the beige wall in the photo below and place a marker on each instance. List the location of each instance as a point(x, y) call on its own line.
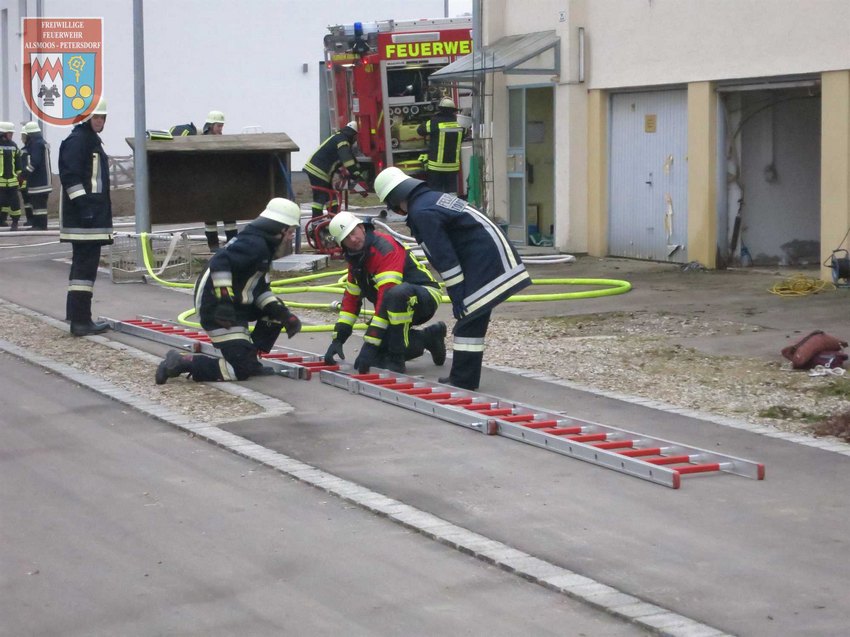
point(702, 174)
point(678, 41)
point(835, 163)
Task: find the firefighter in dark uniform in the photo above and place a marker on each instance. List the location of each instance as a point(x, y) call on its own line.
point(37, 175)
point(402, 290)
point(10, 169)
point(444, 138)
point(477, 263)
point(214, 125)
point(85, 215)
point(335, 152)
point(233, 292)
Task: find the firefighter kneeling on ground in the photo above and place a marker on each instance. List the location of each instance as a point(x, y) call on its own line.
point(402, 290)
point(234, 291)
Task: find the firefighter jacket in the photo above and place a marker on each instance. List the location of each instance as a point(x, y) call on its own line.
point(477, 263)
point(381, 265)
point(444, 138)
point(334, 152)
point(85, 210)
point(10, 163)
point(36, 164)
point(242, 268)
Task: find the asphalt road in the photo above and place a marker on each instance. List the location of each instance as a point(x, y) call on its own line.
point(744, 557)
point(115, 524)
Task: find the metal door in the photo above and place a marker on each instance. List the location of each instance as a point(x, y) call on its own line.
point(648, 187)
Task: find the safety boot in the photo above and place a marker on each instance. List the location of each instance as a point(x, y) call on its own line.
point(435, 342)
point(175, 363)
point(394, 363)
point(14, 224)
point(3, 216)
point(87, 328)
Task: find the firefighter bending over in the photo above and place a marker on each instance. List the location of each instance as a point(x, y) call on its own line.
point(234, 291)
point(334, 153)
point(476, 261)
point(402, 290)
point(444, 138)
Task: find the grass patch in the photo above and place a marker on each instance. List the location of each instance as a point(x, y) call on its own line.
point(837, 388)
point(781, 412)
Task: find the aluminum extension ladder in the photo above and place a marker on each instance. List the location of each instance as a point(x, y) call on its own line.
point(654, 459)
point(285, 361)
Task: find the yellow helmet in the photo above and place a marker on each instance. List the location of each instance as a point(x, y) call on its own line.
point(215, 117)
point(393, 185)
point(342, 225)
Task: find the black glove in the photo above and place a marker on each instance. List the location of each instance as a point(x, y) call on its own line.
point(224, 313)
point(342, 331)
point(457, 305)
point(292, 325)
point(366, 358)
point(335, 349)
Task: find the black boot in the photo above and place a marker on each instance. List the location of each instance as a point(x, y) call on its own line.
point(435, 342)
point(14, 224)
point(87, 328)
point(394, 363)
point(28, 213)
point(3, 216)
point(175, 363)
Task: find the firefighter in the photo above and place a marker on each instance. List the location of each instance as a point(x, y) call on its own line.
point(232, 292)
point(444, 136)
point(214, 125)
point(35, 161)
point(334, 153)
point(85, 215)
point(10, 170)
point(402, 290)
point(477, 263)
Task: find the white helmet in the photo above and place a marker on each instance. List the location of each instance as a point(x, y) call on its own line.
point(353, 126)
point(31, 127)
point(393, 185)
point(282, 211)
point(342, 224)
point(447, 103)
point(7, 127)
point(215, 117)
point(100, 109)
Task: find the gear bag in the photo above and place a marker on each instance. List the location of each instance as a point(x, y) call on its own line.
point(803, 353)
point(182, 130)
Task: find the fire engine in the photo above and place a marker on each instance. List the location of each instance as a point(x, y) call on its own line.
point(378, 74)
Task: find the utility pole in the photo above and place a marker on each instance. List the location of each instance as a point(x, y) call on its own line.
point(140, 151)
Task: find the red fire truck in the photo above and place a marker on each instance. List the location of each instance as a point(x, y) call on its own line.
point(377, 74)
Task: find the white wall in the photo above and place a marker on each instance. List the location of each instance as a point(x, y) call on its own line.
point(647, 42)
point(243, 58)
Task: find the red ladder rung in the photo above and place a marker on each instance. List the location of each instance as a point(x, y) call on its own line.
point(519, 418)
point(698, 468)
point(480, 406)
point(418, 391)
point(464, 400)
point(588, 437)
point(647, 451)
point(540, 424)
point(615, 444)
point(561, 431)
point(437, 396)
point(366, 377)
point(504, 411)
point(670, 460)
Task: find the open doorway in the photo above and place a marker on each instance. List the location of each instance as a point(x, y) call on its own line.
point(772, 166)
point(531, 166)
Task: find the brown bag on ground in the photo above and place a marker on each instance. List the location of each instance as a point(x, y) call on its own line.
point(803, 352)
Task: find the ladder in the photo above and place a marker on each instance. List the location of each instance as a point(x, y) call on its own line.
point(285, 361)
point(653, 459)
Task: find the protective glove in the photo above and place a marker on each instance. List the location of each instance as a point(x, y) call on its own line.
point(21, 179)
point(224, 313)
point(341, 332)
point(362, 187)
point(366, 358)
point(457, 309)
point(292, 325)
point(335, 349)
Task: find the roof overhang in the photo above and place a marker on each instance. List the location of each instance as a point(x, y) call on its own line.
point(528, 54)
